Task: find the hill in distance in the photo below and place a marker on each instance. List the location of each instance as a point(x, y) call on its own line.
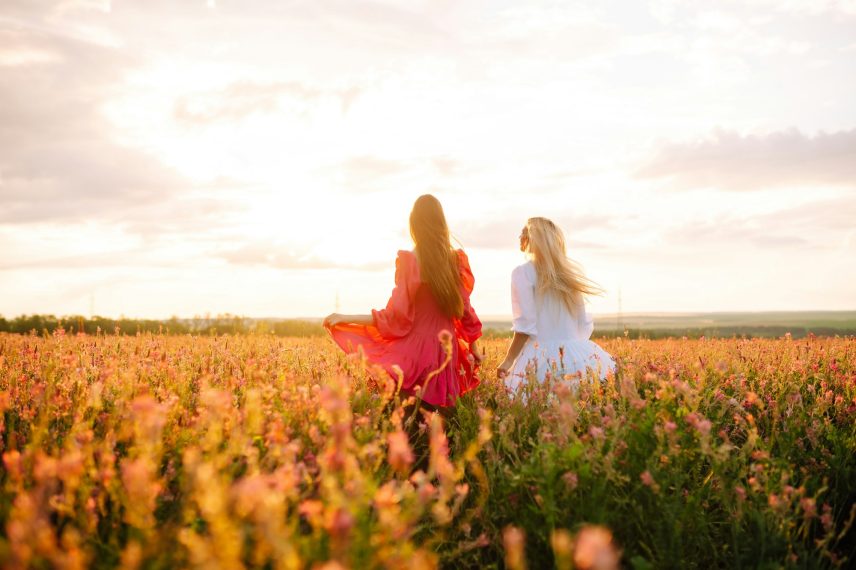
point(762, 323)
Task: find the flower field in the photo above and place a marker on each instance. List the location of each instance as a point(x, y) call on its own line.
point(155, 451)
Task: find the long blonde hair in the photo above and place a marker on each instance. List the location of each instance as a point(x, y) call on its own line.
point(438, 262)
point(556, 273)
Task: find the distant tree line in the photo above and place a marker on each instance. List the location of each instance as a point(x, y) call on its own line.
point(198, 325)
point(236, 325)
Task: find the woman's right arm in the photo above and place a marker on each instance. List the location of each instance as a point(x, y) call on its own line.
point(523, 317)
point(514, 350)
point(334, 319)
point(396, 319)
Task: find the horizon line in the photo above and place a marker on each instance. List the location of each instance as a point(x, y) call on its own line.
point(484, 318)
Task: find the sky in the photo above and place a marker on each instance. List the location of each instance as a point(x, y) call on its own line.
point(260, 157)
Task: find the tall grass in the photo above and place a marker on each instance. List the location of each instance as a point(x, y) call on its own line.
point(252, 451)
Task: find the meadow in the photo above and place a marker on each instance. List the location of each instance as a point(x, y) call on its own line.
point(154, 451)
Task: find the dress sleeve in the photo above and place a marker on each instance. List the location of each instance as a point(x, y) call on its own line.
point(469, 326)
point(396, 319)
point(585, 322)
point(523, 303)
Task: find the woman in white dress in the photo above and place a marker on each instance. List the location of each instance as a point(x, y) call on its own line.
point(550, 323)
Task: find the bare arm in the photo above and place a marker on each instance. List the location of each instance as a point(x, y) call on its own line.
point(334, 319)
point(514, 349)
point(475, 350)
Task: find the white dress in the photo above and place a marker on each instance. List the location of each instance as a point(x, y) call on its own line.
point(556, 337)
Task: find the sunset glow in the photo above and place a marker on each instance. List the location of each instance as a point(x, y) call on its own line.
point(261, 158)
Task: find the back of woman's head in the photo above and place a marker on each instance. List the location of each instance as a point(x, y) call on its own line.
point(438, 263)
point(556, 273)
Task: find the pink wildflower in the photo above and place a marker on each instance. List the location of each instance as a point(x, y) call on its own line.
point(701, 424)
point(648, 480)
point(563, 547)
point(826, 518)
point(339, 523)
point(312, 510)
point(571, 480)
point(400, 454)
point(514, 540)
point(773, 500)
point(809, 507)
point(13, 464)
point(594, 549)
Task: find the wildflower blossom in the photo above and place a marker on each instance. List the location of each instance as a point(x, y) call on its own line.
point(514, 540)
point(400, 454)
point(571, 480)
point(648, 480)
point(594, 549)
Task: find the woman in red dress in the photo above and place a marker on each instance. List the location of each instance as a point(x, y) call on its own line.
point(431, 295)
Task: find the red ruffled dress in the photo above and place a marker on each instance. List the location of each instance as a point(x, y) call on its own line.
point(406, 334)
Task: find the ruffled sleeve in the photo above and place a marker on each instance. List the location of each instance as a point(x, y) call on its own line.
point(469, 326)
point(523, 310)
point(396, 320)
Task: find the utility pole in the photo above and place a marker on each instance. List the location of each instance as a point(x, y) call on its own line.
point(91, 305)
point(620, 319)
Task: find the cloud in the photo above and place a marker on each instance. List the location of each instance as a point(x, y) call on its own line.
point(193, 217)
point(279, 256)
point(244, 98)
point(668, 11)
point(370, 172)
point(64, 181)
point(59, 160)
point(446, 166)
point(821, 224)
point(733, 232)
point(238, 101)
point(126, 258)
point(833, 215)
point(369, 168)
point(730, 161)
point(807, 7)
point(503, 233)
point(16, 49)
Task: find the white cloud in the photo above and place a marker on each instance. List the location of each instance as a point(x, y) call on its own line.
point(239, 100)
point(807, 7)
point(731, 161)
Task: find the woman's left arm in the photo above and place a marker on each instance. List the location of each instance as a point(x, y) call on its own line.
point(585, 322)
point(469, 326)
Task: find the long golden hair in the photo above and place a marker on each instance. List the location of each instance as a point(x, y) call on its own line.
point(438, 262)
point(556, 273)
